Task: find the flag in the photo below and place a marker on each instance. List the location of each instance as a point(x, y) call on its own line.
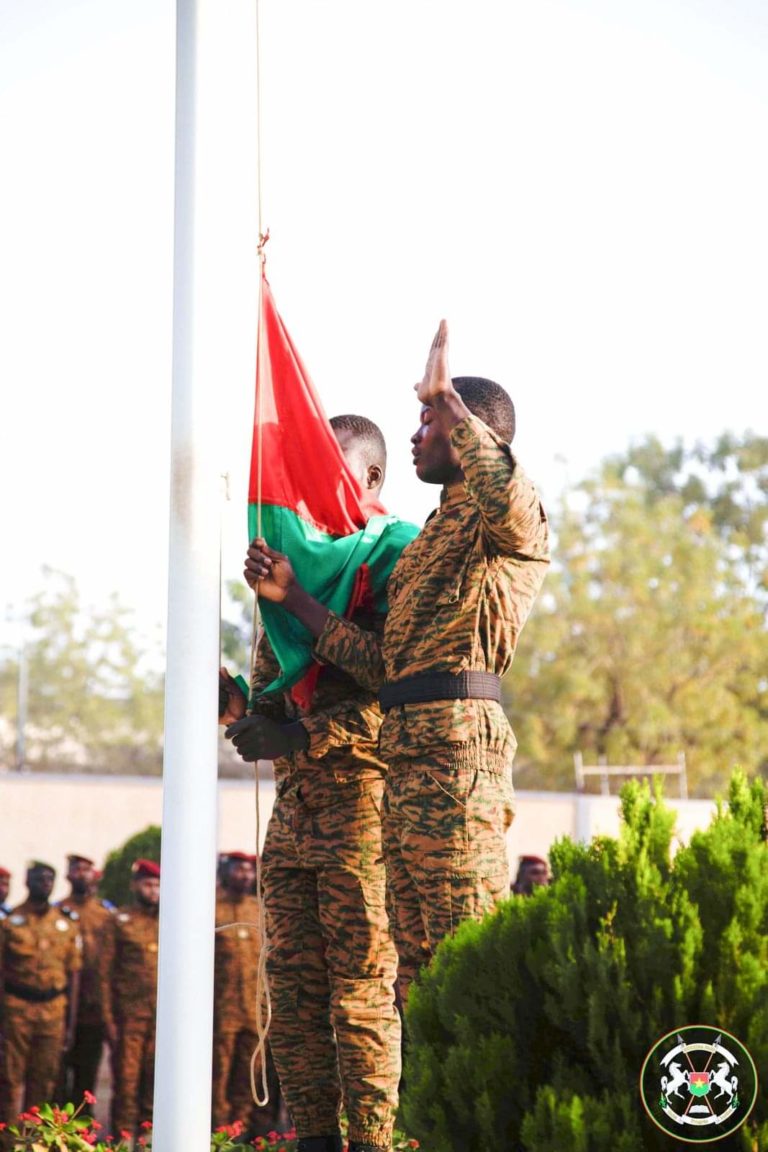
point(341, 541)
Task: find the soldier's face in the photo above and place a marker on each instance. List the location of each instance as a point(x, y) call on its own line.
point(147, 890)
point(535, 875)
point(435, 459)
point(240, 876)
point(80, 876)
point(40, 883)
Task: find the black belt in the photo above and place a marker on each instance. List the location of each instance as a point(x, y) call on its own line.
point(33, 995)
point(430, 686)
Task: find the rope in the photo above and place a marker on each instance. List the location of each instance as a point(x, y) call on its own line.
point(263, 1000)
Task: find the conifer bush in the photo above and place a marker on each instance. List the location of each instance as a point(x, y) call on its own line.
point(116, 882)
point(528, 1031)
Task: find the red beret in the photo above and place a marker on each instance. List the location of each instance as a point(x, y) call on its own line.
point(141, 868)
point(534, 860)
point(5, 872)
point(227, 856)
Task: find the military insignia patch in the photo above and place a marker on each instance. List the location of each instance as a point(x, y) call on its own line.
point(17, 920)
point(62, 925)
point(698, 1084)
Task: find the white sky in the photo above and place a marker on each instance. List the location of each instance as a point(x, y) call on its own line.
point(579, 186)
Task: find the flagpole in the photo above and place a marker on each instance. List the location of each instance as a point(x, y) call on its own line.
point(182, 1101)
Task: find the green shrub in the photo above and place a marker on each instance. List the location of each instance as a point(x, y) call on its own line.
point(528, 1031)
point(115, 884)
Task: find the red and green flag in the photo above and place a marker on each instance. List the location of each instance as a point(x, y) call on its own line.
point(306, 503)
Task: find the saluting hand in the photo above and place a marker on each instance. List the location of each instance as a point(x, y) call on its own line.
point(436, 384)
point(268, 572)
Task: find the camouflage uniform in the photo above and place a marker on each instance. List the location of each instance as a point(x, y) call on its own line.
point(235, 1016)
point(81, 1063)
point(458, 598)
point(38, 954)
point(331, 960)
point(128, 978)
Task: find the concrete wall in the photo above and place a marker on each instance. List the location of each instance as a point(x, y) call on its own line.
point(48, 816)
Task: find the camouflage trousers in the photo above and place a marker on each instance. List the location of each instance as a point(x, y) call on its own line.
point(331, 961)
point(30, 1056)
point(444, 821)
point(233, 1048)
point(133, 1067)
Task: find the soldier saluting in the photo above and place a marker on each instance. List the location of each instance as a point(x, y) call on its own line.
point(458, 598)
point(40, 958)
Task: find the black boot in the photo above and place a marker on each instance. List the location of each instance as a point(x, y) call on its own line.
point(319, 1144)
point(357, 1147)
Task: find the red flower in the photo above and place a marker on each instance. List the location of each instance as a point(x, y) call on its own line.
point(125, 1134)
point(146, 1125)
point(89, 1097)
point(413, 1144)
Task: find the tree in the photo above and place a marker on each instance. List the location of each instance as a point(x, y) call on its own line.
point(650, 635)
point(237, 627)
point(115, 884)
point(528, 1030)
point(95, 695)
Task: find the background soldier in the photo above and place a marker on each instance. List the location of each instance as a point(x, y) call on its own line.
point(235, 1007)
point(532, 872)
point(128, 977)
point(81, 1062)
point(40, 962)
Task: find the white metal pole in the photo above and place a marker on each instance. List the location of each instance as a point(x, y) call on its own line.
point(182, 1110)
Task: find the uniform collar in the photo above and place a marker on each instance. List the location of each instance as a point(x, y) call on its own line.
point(453, 494)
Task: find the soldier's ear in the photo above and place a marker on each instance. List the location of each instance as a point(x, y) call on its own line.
point(374, 476)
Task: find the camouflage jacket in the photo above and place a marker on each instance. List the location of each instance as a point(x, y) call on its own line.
point(90, 917)
point(458, 598)
point(342, 724)
point(236, 962)
point(128, 964)
point(38, 951)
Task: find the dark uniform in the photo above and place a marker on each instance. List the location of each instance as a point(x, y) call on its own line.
point(458, 598)
point(128, 972)
point(331, 961)
point(235, 1017)
point(81, 1063)
point(40, 949)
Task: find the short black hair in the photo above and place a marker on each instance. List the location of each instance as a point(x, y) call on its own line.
point(369, 436)
point(489, 401)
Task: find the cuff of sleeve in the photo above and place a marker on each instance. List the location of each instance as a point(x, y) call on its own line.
point(469, 431)
point(326, 644)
